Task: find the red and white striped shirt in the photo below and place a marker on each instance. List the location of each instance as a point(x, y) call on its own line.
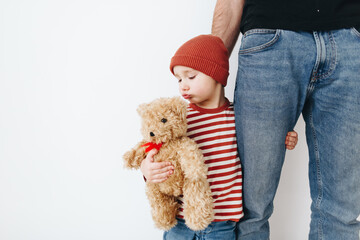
point(214, 131)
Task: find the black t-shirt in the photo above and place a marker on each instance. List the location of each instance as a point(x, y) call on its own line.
point(301, 15)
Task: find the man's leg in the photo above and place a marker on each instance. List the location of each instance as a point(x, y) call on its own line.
point(271, 88)
point(332, 115)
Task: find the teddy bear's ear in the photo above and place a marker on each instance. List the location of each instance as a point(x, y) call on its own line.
point(141, 109)
point(179, 106)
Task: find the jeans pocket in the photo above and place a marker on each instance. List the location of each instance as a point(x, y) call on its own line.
point(256, 40)
point(356, 31)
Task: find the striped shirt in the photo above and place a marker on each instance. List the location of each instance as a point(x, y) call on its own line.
point(214, 132)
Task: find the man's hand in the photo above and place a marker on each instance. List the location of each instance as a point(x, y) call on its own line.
point(155, 172)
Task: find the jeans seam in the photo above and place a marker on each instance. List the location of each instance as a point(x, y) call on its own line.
point(317, 62)
point(259, 30)
point(334, 59)
point(357, 33)
point(318, 175)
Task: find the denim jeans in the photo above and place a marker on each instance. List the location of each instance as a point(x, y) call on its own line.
point(282, 74)
point(215, 231)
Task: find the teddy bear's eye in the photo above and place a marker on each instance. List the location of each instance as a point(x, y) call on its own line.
point(164, 120)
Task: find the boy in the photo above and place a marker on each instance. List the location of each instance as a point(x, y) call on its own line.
point(201, 67)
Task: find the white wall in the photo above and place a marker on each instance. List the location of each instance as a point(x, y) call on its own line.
point(72, 73)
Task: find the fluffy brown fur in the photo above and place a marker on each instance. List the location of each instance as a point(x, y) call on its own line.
point(189, 177)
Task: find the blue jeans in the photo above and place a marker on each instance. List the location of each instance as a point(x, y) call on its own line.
point(215, 231)
point(282, 74)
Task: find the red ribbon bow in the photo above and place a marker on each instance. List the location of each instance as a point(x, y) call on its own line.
point(151, 145)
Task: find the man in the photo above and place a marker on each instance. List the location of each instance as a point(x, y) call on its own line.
point(297, 57)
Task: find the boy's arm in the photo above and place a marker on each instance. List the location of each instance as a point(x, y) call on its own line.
point(226, 21)
point(291, 140)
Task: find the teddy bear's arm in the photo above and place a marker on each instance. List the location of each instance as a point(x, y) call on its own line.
point(134, 157)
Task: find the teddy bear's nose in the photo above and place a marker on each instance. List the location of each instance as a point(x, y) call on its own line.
point(152, 134)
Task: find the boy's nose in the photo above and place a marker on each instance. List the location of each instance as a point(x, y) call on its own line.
point(184, 87)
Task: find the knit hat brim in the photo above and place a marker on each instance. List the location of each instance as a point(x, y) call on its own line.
point(217, 72)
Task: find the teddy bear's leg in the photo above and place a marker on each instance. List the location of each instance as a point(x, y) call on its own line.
point(198, 204)
point(164, 207)
point(198, 201)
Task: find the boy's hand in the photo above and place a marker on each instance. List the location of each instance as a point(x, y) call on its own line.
point(291, 140)
point(155, 172)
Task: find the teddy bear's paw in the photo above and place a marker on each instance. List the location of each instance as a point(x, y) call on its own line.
point(199, 218)
point(132, 159)
point(197, 224)
point(164, 215)
point(166, 225)
point(128, 158)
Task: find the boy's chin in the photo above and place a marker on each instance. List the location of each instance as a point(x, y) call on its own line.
point(193, 102)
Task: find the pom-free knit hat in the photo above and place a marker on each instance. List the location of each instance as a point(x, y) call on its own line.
point(204, 53)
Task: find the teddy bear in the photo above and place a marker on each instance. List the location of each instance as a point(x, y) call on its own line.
point(164, 127)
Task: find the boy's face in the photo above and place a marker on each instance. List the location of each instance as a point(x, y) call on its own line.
point(196, 87)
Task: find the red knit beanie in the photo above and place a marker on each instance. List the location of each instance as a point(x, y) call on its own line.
point(204, 53)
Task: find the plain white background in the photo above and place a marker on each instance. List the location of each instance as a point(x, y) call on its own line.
point(72, 73)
